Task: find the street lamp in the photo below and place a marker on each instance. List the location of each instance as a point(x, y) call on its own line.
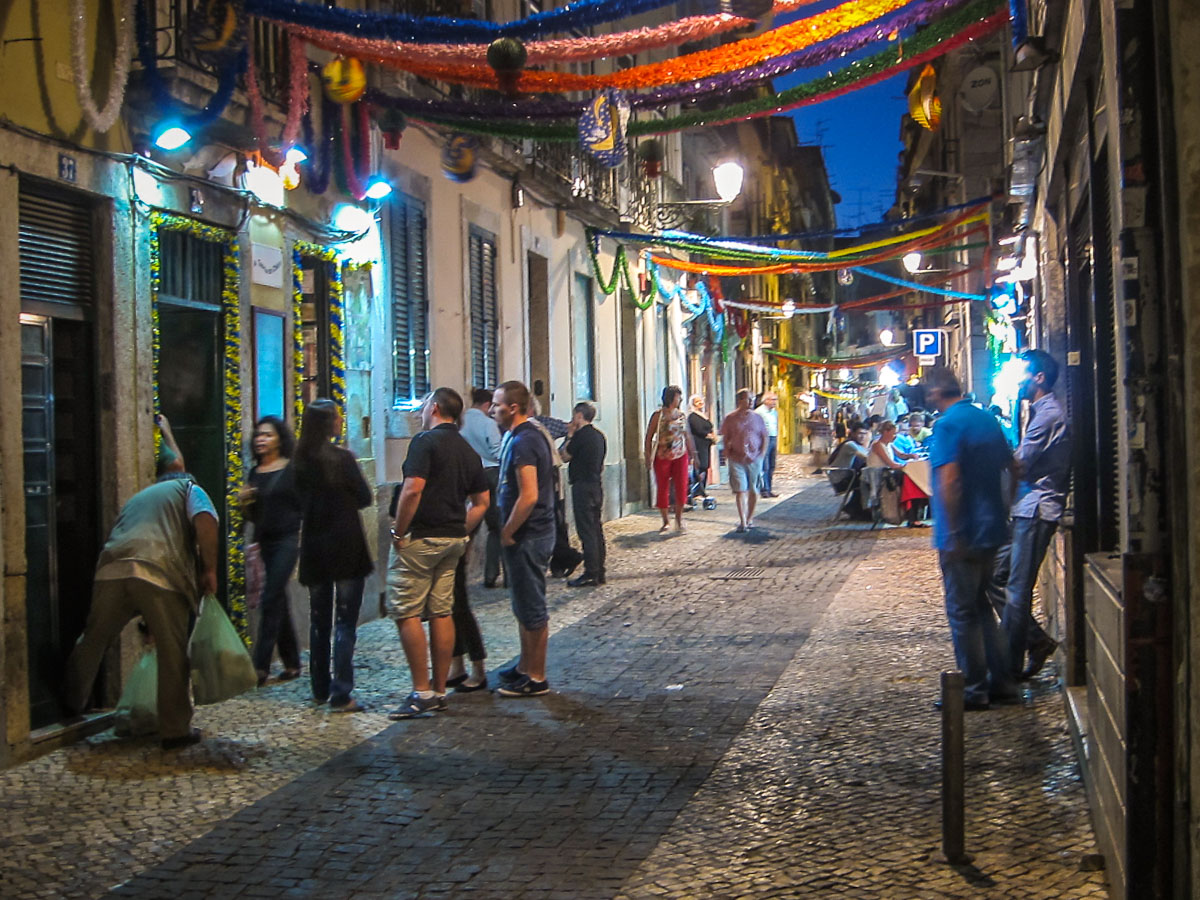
point(912, 262)
point(728, 178)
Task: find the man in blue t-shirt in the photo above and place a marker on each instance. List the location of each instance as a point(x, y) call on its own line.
point(970, 521)
point(526, 496)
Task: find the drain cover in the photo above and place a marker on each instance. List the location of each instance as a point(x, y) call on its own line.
point(742, 574)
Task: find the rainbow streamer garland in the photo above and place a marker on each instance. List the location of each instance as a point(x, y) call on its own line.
point(231, 309)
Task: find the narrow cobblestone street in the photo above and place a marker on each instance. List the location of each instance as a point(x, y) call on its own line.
point(770, 735)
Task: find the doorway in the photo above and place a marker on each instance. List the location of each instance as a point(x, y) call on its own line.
point(59, 434)
point(538, 268)
point(314, 330)
point(190, 363)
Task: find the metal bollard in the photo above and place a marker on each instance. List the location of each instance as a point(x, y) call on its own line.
point(953, 818)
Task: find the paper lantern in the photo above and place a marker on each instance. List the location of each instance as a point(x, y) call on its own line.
point(344, 79)
point(651, 154)
point(602, 128)
point(459, 157)
point(923, 104)
point(507, 57)
point(391, 123)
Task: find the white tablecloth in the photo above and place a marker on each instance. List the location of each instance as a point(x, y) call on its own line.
point(920, 473)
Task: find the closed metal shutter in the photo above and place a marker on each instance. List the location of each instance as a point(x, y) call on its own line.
point(1107, 389)
point(485, 326)
point(54, 236)
point(410, 300)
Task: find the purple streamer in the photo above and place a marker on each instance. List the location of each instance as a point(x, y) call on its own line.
point(911, 16)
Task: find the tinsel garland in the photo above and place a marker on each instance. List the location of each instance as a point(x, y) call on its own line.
point(953, 31)
point(320, 162)
point(297, 102)
point(231, 310)
point(352, 182)
point(581, 15)
point(297, 339)
point(688, 67)
point(168, 105)
point(574, 49)
point(847, 362)
point(545, 108)
point(101, 120)
point(706, 304)
point(337, 316)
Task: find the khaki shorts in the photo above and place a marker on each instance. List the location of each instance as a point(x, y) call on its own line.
point(420, 577)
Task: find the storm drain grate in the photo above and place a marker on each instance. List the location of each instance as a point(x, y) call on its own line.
point(742, 574)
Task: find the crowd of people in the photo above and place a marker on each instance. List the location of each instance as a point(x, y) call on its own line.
point(495, 466)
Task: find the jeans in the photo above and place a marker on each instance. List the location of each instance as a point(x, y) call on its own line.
point(1030, 539)
point(491, 518)
point(588, 499)
point(526, 561)
point(768, 470)
point(342, 619)
point(279, 561)
point(467, 637)
point(979, 646)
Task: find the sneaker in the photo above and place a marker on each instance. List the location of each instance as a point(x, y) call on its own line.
point(526, 687)
point(414, 706)
point(510, 675)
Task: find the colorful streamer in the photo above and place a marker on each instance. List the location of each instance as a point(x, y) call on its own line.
point(917, 286)
point(688, 67)
point(845, 362)
point(297, 103)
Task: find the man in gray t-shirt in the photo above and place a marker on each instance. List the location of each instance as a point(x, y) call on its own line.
point(148, 568)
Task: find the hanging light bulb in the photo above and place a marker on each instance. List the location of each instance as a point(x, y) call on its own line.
point(378, 189)
point(912, 261)
point(886, 336)
point(789, 308)
point(170, 137)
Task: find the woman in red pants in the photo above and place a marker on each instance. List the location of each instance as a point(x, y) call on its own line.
point(670, 450)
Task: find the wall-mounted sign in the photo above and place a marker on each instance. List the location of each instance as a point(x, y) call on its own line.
point(266, 266)
point(979, 89)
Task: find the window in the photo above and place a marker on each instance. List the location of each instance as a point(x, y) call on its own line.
point(410, 301)
point(485, 324)
point(583, 338)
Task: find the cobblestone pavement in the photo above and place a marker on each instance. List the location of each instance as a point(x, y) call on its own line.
point(708, 737)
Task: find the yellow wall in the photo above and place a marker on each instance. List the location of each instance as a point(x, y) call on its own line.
point(37, 84)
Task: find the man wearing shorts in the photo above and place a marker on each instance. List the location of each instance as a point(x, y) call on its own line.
point(526, 496)
point(444, 497)
point(745, 436)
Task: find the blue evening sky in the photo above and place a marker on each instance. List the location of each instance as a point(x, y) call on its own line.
point(859, 131)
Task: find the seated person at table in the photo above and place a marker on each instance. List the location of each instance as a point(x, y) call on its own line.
point(851, 454)
point(882, 454)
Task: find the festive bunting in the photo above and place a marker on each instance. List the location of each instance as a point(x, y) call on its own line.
point(551, 108)
point(953, 31)
point(690, 66)
point(101, 120)
point(916, 286)
point(845, 362)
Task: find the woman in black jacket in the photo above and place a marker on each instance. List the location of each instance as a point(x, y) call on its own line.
point(272, 505)
point(334, 561)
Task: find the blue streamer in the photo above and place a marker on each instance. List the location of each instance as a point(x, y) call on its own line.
point(581, 14)
point(705, 306)
point(913, 285)
point(1020, 21)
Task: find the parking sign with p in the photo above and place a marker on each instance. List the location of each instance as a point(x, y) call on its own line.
point(927, 342)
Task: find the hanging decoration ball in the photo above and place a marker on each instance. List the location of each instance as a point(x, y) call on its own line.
point(391, 123)
point(845, 277)
point(602, 127)
point(459, 157)
point(651, 154)
point(507, 57)
point(345, 79)
point(923, 103)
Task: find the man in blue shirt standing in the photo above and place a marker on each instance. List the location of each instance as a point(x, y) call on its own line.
point(968, 459)
point(526, 496)
point(1043, 464)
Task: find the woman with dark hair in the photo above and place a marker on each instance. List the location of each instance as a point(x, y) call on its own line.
point(334, 561)
point(271, 505)
point(669, 449)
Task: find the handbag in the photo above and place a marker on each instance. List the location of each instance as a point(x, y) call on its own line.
point(221, 664)
point(256, 575)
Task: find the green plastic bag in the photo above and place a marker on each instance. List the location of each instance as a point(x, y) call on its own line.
point(137, 710)
point(221, 665)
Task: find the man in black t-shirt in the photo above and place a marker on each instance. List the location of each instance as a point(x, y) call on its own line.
point(429, 535)
point(585, 450)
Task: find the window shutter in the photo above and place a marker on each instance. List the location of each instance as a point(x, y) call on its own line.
point(410, 305)
point(484, 308)
point(54, 242)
